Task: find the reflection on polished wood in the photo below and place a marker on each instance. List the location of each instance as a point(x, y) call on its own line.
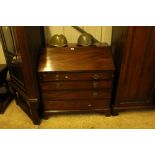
point(79, 59)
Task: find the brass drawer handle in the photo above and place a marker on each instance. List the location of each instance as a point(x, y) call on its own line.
point(94, 84)
point(96, 76)
point(66, 77)
point(57, 77)
point(95, 94)
point(89, 105)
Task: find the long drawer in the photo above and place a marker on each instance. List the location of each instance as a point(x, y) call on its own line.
point(76, 94)
point(45, 86)
point(77, 105)
point(75, 76)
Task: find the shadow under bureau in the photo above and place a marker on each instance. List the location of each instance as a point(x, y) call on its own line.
point(76, 79)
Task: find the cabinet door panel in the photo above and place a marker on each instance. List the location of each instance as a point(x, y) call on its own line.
point(136, 62)
point(148, 71)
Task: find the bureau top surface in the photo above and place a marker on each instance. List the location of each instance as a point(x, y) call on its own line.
point(75, 59)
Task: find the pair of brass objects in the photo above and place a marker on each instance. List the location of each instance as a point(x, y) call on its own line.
point(85, 39)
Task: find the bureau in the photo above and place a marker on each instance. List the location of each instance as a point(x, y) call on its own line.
point(76, 79)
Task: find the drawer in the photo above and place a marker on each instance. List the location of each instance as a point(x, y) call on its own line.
point(76, 94)
point(106, 84)
point(76, 105)
point(75, 76)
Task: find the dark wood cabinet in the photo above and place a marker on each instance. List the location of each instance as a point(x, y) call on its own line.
point(21, 47)
point(76, 79)
point(134, 54)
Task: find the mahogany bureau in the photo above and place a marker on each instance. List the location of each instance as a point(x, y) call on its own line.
point(76, 79)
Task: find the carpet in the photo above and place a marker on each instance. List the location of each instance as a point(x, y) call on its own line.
point(15, 118)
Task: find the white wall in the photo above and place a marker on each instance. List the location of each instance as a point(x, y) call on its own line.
point(2, 58)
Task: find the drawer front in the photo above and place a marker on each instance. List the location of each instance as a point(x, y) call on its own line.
point(46, 86)
point(76, 105)
point(76, 94)
point(74, 76)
